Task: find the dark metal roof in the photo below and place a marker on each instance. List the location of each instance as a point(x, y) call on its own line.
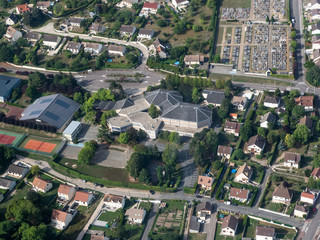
point(164, 99)
point(7, 84)
point(16, 169)
point(55, 110)
point(215, 97)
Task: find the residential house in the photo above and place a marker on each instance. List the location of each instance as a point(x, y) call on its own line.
point(224, 151)
point(17, 171)
point(309, 197)
point(23, 8)
point(83, 198)
point(301, 211)
point(213, 97)
point(265, 233)
point(315, 28)
point(60, 220)
point(113, 202)
point(43, 5)
point(314, 4)
point(158, 47)
point(97, 28)
point(7, 183)
point(266, 119)
point(292, 160)
point(193, 60)
point(315, 173)
point(93, 48)
point(306, 102)
point(282, 195)
point(146, 34)
point(40, 185)
point(194, 226)
point(126, 3)
point(271, 102)
point(307, 121)
point(240, 102)
point(256, 144)
point(33, 37)
point(73, 47)
point(66, 192)
point(75, 21)
point(51, 41)
point(54, 110)
point(243, 174)
point(203, 209)
point(233, 116)
point(180, 4)
point(229, 226)
point(232, 128)
point(238, 194)
point(7, 85)
point(315, 44)
point(135, 216)
point(315, 14)
point(12, 19)
point(116, 50)
point(12, 34)
point(149, 8)
point(205, 182)
point(127, 30)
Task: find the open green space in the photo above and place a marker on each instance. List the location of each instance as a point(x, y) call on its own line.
point(145, 205)
point(237, 78)
point(236, 4)
point(113, 174)
point(197, 236)
point(110, 217)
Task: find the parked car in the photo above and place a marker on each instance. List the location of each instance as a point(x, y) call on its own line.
point(152, 192)
point(3, 69)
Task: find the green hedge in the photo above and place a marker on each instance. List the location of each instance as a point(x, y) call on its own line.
point(172, 12)
point(274, 153)
point(215, 182)
point(189, 190)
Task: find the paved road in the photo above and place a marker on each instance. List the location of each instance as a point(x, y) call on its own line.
point(312, 227)
point(262, 187)
point(190, 171)
point(210, 227)
point(152, 217)
point(163, 196)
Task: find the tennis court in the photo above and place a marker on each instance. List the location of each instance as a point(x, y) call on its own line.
point(10, 138)
point(40, 146)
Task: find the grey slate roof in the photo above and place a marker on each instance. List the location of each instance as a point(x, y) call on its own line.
point(188, 112)
point(5, 182)
point(73, 45)
point(109, 105)
point(13, 17)
point(204, 206)
point(164, 99)
point(55, 110)
point(127, 29)
point(7, 84)
point(33, 36)
point(268, 117)
point(146, 32)
point(269, 99)
point(215, 97)
point(50, 38)
point(257, 140)
point(16, 169)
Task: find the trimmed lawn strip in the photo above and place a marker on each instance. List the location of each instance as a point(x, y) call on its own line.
point(236, 78)
point(236, 4)
point(197, 236)
point(110, 217)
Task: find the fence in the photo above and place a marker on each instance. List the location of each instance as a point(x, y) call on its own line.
point(60, 147)
point(270, 211)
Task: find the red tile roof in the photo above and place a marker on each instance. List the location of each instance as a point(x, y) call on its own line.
point(239, 193)
point(39, 183)
point(306, 101)
point(64, 189)
point(59, 215)
point(307, 195)
point(150, 5)
point(316, 173)
point(23, 8)
point(81, 196)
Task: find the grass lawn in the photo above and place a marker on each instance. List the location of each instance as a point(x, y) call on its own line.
point(250, 231)
point(277, 207)
point(80, 220)
point(23, 101)
point(145, 205)
point(236, 78)
point(114, 174)
point(133, 232)
point(220, 35)
point(174, 205)
point(197, 236)
point(236, 4)
point(110, 217)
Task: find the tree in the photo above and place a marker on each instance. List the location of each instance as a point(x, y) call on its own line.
point(135, 164)
point(220, 84)
point(174, 137)
point(267, 19)
point(302, 134)
point(225, 108)
point(196, 96)
point(272, 137)
point(78, 97)
point(290, 141)
point(313, 76)
point(153, 111)
point(106, 115)
point(246, 131)
point(159, 175)
point(34, 232)
point(34, 197)
point(239, 154)
point(216, 58)
point(262, 132)
point(170, 155)
point(277, 92)
point(293, 45)
point(35, 169)
point(23, 211)
point(131, 58)
point(32, 58)
point(144, 176)
point(298, 111)
point(293, 34)
point(124, 138)
point(87, 152)
point(22, 42)
point(36, 80)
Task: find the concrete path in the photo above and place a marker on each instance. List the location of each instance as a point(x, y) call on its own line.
point(151, 219)
point(92, 218)
point(211, 230)
point(188, 219)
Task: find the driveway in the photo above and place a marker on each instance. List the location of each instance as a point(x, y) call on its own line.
point(210, 226)
point(152, 217)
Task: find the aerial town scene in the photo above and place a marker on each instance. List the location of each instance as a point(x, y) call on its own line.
point(160, 120)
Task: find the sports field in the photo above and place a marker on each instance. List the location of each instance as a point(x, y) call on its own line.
point(10, 138)
point(40, 146)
